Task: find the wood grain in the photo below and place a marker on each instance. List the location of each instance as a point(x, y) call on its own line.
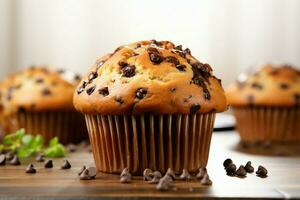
point(283, 180)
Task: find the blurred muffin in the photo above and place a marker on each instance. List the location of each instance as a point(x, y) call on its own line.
point(150, 105)
point(39, 99)
point(266, 105)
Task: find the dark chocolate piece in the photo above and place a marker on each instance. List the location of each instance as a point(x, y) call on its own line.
point(2, 159)
point(248, 167)
point(90, 90)
point(227, 162)
point(148, 174)
point(48, 164)
point(201, 173)
point(181, 67)
point(104, 91)
point(171, 173)
point(241, 172)
point(128, 71)
point(172, 59)
point(230, 170)
point(92, 76)
point(46, 92)
point(81, 170)
point(40, 158)
point(206, 180)
point(15, 160)
point(30, 169)
point(262, 172)
point(66, 164)
point(141, 93)
point(185, 175)
point(194, 108)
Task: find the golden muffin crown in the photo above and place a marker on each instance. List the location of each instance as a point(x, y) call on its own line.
point(38, 89)
point(271, 85)
point(150, 76)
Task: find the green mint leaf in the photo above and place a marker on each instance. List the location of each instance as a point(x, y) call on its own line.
point(55, 151)
point(25, 152)
point(27, 140)
point(53, 142)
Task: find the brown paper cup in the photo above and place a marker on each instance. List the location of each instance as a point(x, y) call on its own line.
point(68, 126)
point(150, 141)
point(268, 124)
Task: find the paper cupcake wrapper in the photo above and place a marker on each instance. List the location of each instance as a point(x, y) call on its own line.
point(150, 141)
point(268, 124)
point(68, 126)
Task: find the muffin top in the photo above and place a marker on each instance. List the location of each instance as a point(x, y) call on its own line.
point(271, 85)
point(38, 89)
point(149, 77)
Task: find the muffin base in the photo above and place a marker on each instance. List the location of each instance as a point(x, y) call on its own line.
point(68, 126)
point(259, 124)
point(150, 141)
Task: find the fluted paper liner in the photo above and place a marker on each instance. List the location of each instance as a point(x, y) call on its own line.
point(268, 124)
point(150, 141)
point(68, 126)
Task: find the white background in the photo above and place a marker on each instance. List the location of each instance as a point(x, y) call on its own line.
point(231, 35)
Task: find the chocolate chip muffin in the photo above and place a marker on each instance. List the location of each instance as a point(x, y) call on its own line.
point(39, 99)
point(266, 105)
point(151, 105)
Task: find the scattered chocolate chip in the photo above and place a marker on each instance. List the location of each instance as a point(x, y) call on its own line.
point(46, 92)
point(172, 59)
point(194, 108)
point(241, 172)
point(15, 160)
point(173, 89)
point(92, 76)
point(49, 164)
point(39, 80)
point(248, 167)
point(125, 176)
point(262, 171)
point(104, 91)
point(9, 155)
point(90, 90)
point(141, 93)
point(92, 171)
point(71, 148)
point(206, 94)
point(40, 158)
point(162, 185)
point(187, 51)
point(128, 71)
point(185, 175)
point(81, 170)
point(138, 45)
point(168, 178)
point(201, 173)
point(80, 90)
point(178, 47)
point(154, 180)
point(30, 169)
point(171, 173)
point(181, 67)
point(84, 175)
point(156, 58)
point(147, 174)
point(284, 86)
point(230, 170)
point(2, 159)
point(119, 100)
point(66, 164)
point(257, 86)
point(206, 180)
point(154, 42)
point(227, 162)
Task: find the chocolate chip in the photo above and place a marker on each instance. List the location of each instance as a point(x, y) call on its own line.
point(77, 77)
point(178, 47)
point(48, 164)
point(284, 86)
point(181, 67)
point(71, 148)
point(84, 175)
point(206, 94)
point(154, 180)
point(46, 92)
point(119, 100)
point(81, 170)
point(40, 158)
point(173, 89)
point(123, 63)
point(162, 185)
point(194, 108)
point(104, 91)
point(156, 58)
point(257, 86)
point(39, 80)
point(15, 160)
point(92, 76)
point(90, 90)
point(185, 175)
point(241, 172)
point(138, 45)
point(154, 42)
point(248, 167)
point(125, 176)
point(172, 59)
point(125, 171)
point(230, 170)
point(201, 173)
point(206, 180)
point(168, 178)
point(80, 90)
point(141, 93)
point(128, 71)
point(147, 174)
point(9, 155)
point(92, 171)
point(66, 164)
point(171, 173)
point(2, 159)
point(187, 51)
point(30, 169)
point(227, 162)
point(262, 171)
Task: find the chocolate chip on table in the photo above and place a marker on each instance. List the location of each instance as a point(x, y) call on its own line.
point(66, 164)
point(125, 171)
point(81, 170)
point(125, 176)
point(85, 175)
point(2, 159)
point(181, 67)
point(262, 171)
point(128, 71)
point(241, 172)
point(9, 155)
point(147, 174)
point(90, 90)
point(40, 158)
point(71, 148)
point(248, 167)
point(30, 169)
point(103, 91)
point(15, 160)
point(156, 176)
point(92, 171)
point(230, 170)
point(46, 92)
point(171, 173)
point(172, 59)
point(227, 162)
point(141, 93)
point(164, 183)
point(194, 108)
point(201, 173)
point(48, 164)
point(205, 180)
point(92, 76)
point(185, 175)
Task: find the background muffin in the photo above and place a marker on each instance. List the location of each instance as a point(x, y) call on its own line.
point(266, 105)
point(150, 105)
point(39, 99)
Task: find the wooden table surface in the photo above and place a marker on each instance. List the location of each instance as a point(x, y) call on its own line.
point(283, 180)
